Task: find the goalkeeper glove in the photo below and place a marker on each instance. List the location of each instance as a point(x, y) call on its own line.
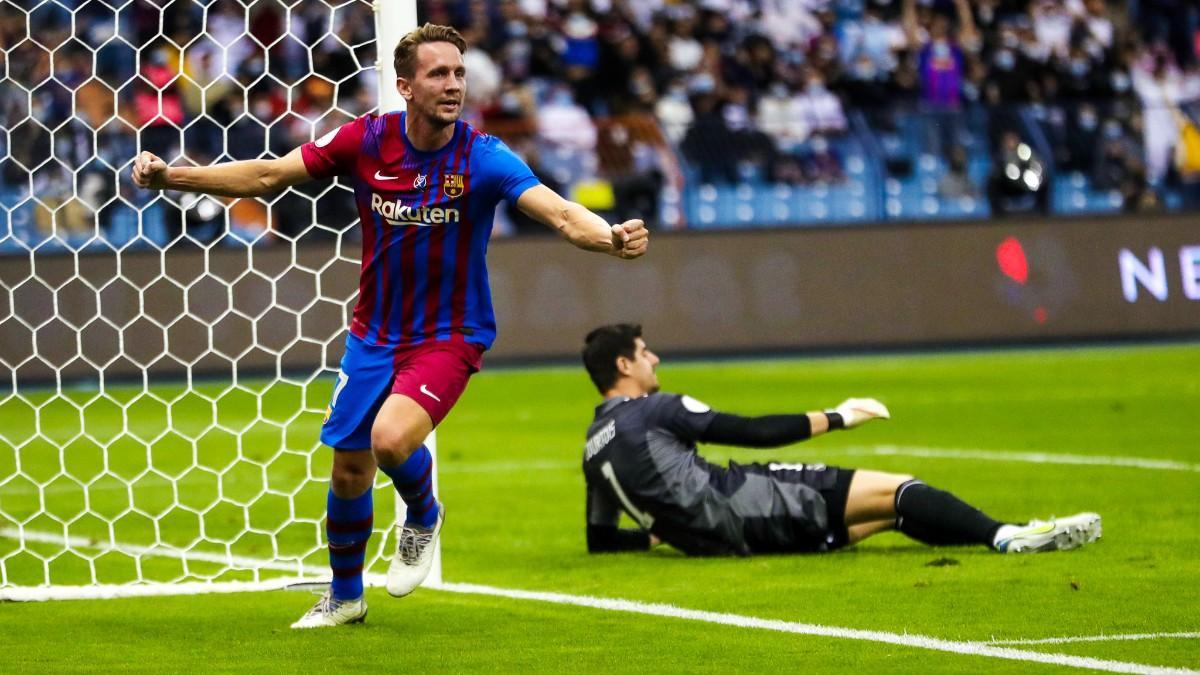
point(856, 411)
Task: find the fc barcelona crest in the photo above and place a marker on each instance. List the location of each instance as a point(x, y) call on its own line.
point(453, 185)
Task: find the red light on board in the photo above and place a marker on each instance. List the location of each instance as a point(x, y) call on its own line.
point(1011, 257)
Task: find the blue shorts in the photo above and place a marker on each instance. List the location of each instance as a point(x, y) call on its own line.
point(432, 373)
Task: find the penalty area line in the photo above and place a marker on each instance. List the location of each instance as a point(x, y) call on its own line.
point(740, 621)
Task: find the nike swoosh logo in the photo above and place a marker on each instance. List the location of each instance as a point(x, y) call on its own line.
point(380, 176)
point(1044, 528)
point(425, 390)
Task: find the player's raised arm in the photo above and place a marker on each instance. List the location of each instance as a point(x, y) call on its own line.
point(246, 178)
point(769, 431)
point(582, 227)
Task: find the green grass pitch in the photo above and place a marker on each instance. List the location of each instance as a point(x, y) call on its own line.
point(510, 478)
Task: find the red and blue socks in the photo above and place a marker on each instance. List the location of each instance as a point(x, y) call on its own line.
point(414, 481)
point(348, 527)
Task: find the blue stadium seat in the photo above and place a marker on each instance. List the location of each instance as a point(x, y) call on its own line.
point(1073, 194)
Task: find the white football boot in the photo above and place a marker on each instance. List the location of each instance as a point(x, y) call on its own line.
point(330, 611)
point(1057, 534)
point(414, 555)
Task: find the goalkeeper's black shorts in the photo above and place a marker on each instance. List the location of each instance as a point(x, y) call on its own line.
point(793, 508)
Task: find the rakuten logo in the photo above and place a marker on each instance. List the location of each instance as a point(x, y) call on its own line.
point(396, 213)
point(1152, 274)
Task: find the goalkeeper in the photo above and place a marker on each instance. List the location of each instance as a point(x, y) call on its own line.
point(641, 457)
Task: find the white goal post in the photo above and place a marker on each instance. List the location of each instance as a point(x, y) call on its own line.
point(162, 382)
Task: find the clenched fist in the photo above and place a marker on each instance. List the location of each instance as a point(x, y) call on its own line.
point(630, 239)
point(150, 171)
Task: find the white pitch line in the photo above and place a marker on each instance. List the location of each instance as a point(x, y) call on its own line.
point(1026, 457)
point(608, 604)
point(885, 451)
point(740, 621)
point(1097, 638)
point(160, 551)
point(108, 591)
point(1151, 463)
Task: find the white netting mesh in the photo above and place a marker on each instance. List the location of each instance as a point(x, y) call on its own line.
point(161, 355)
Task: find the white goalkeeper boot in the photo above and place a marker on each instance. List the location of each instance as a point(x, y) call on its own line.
point(414, 555)
point(1057, 534)
point(329, 611)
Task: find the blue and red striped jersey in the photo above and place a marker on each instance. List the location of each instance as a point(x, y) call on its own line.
point(426, 219)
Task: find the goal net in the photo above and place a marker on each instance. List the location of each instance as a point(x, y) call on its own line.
point(166, 359)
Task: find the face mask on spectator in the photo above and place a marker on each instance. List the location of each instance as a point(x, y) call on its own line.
point(702, 83)
point(1112, 129)
point(864, 69)
point(252, 68)
point(1087, 120)
point(509, 102)
point(1079, 67)
point(1005, 60)
point(1120, 82)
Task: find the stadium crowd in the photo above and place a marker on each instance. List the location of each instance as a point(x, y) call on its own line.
point(617, 102)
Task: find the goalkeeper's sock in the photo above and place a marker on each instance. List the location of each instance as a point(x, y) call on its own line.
point(348, 527)
point(414, 481)
point(938, 518)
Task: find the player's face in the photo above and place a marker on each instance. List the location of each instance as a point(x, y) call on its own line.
point(642, 367)
point(438, 84)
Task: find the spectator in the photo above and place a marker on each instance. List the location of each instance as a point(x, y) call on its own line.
point(1159, 85)
point(674, 111)
point(709, 143)
point(683, 49)
point(742, 88)
point(868, 45)
point(484, 77)
point(565, 124)
point(818, 107)
point(1083, 138)
point(1120, 167)
point(955, 183)
point(780, 117)
point(633, 161)
point(941, 64)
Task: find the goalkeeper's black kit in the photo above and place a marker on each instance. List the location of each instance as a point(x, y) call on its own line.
point(641, 457)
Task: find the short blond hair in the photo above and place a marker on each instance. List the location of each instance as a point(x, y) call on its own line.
point(405, 56)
